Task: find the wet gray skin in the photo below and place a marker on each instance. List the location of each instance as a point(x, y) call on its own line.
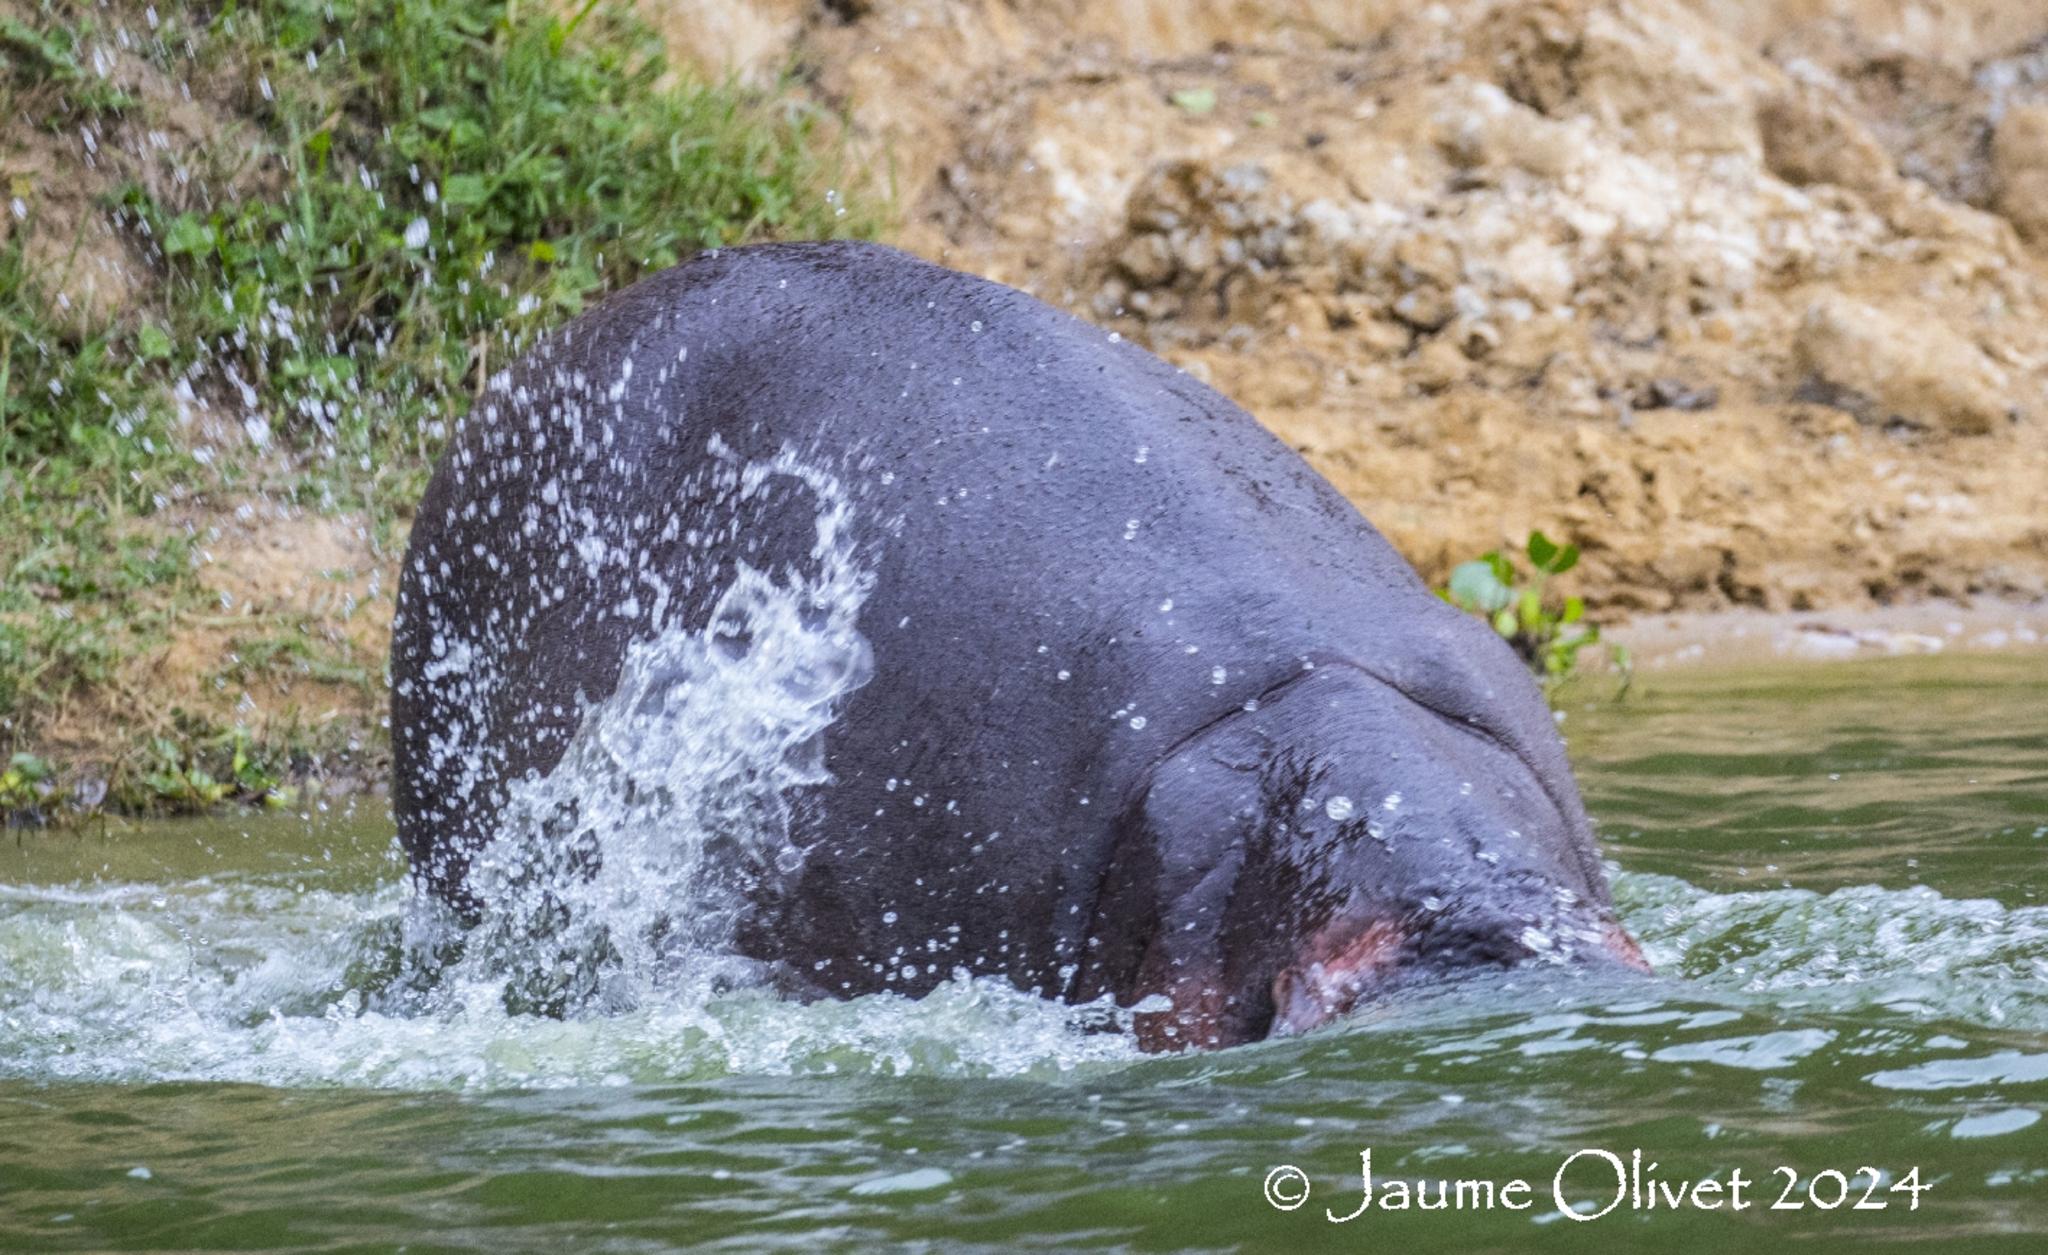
point(1343, 839)
point(1149, 710)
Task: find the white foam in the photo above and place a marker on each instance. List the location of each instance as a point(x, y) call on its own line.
point(274, 985)
point(626, 868)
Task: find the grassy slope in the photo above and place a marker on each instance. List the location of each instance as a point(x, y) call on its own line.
point(382, 202)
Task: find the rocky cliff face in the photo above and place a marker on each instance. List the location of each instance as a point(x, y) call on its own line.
point(1745, 297)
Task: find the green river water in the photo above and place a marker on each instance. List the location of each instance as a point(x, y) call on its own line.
point(1836, 869)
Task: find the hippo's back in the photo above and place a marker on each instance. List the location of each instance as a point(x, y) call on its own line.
point(1071, 556)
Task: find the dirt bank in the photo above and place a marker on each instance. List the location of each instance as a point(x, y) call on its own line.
point(1738, 295)
point(1743, 637)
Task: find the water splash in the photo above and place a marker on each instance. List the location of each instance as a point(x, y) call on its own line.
point(220, 980)
point(626, 869)
point(253, 979)
point(1912, 951)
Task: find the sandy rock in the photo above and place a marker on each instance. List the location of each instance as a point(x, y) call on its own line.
point(1436, 366)
point(1809, 138)
point(1898, 367)
point(2019, 156)
point(715, 38)
point(1948, 33)
point(1200, 230)
point(1647, 65)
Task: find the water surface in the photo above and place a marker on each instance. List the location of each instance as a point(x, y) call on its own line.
point(1835, 869)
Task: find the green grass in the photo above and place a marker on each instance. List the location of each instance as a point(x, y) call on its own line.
point(82, 450)
point(449, 181)
point(401, 197)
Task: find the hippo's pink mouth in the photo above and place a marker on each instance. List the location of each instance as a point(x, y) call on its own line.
point(1331, 982)
point(1346, 964)
point(1345, 967)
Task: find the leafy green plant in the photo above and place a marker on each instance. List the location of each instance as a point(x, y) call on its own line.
point(195, 772)
point(1547, 631)
point(24, 784)
point(84, 451)
point(41, 53)
point(178, 782)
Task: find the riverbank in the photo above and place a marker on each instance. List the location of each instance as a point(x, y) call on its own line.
point(286, 668)
point(1746, 300)
point(1740, 637)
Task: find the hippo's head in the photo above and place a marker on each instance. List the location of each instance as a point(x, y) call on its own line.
point(1347, 835)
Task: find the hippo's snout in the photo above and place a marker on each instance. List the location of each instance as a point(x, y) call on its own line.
point(1321, 988)
point(1347, 965)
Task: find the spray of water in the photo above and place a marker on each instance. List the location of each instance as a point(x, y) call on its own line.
point(625, 870)
point(255, 978)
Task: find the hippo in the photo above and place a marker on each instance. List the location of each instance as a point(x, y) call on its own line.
point(1124, 701)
